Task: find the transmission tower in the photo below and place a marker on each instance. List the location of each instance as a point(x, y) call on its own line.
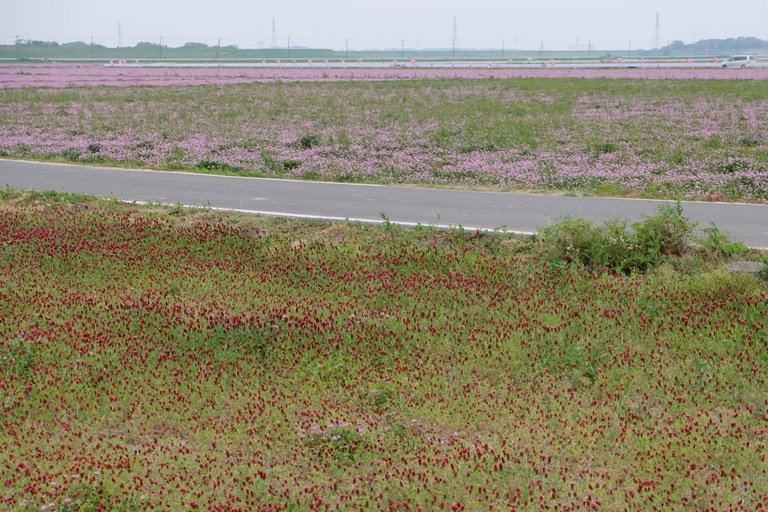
point(657, 35)
point(455, 39)
point(274, 35)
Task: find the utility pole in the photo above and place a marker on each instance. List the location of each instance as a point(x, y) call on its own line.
point(346, 48)
point(161, 47)
point(91, 47)
point(289, 47)
point(502, 48)
point(402, 48)
point(455, 39)
point(17, 48)
point(274, 35)
point(589, 48)
point(119, 35)
point(657, 35)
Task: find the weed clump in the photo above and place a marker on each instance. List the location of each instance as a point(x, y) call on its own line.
point(612, 245)
point(309, 141)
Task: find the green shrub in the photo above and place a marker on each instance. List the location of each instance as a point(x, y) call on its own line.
point(290, 165)
point(213, 165)
point(611, 245)
point(592, 245)
point(605, 148)
point(666, 233)
point(70, 154)
point(309, 141)
point(717, 244)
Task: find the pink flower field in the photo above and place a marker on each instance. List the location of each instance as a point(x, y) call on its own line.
point(63, 75)
point(676, 135)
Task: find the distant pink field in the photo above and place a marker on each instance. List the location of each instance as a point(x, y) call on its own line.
point(63, 75)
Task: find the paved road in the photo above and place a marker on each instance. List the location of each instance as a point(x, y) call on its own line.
point(404, 205)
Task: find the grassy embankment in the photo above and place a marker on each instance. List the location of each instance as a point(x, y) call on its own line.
point(190, 359)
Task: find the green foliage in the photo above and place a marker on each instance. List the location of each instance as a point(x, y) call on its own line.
point(749, 142)
point(19, 355)
point(719, 244)
point(211, 165)
point(309, 141)
point(605, 148)
point(591, 244)
point(89, 498)
point(290, 165)
point(611, 245)
point(337, 442)
point(272, 165)
point(713, 142)
point(387, 225)
point(71, 154)
point(381, 400)
point(49, 197)
point(7, 193)
point(731, 167)
point(720, 284)
point(665, 234)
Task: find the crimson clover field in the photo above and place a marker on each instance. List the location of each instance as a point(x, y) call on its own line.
point(171, 359)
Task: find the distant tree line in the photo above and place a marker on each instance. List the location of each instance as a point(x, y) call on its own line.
point(714, 46)
point(27, 49)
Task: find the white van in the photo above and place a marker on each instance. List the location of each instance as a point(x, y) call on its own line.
point(739, 61)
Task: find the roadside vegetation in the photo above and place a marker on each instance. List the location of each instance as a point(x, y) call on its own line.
point(160, 357)
point(700, 139)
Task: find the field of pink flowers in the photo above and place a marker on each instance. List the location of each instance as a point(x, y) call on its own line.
point(184, 360)
point(63, 75)
point(681, 137)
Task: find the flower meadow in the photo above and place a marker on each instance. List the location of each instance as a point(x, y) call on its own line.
point(680, 138)
point(178, 360)
point(131, 74)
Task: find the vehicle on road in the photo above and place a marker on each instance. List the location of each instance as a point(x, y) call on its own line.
point(739, 61)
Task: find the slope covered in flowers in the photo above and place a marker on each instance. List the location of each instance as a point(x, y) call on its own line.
point(129, 74)
point(190, 360)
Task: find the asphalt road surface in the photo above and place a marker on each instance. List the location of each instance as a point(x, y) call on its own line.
point(505, 211)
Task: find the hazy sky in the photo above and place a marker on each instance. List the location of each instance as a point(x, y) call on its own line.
point(560, 24)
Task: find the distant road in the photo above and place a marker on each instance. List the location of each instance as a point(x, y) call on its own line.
point(516, 212)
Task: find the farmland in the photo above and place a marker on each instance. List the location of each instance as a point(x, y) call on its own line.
point(652, 133)
point(157, 357)
point(176, 359)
